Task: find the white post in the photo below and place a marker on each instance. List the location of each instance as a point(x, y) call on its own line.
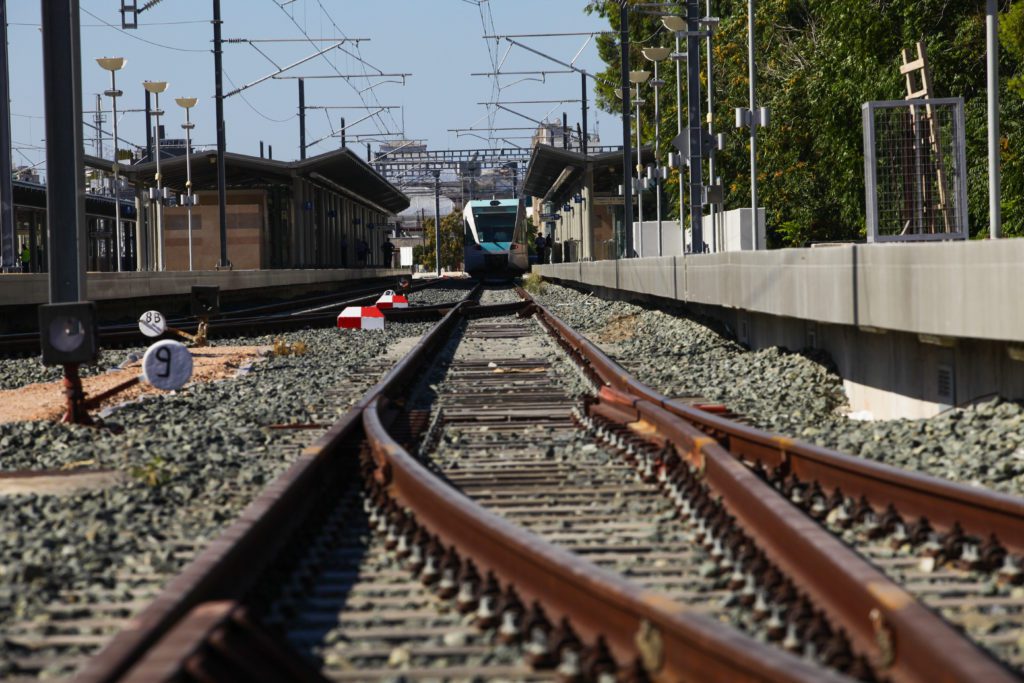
point(992, 46)
point(188, 180)
point(159, 190)
point(639, 187)
point(753, 124)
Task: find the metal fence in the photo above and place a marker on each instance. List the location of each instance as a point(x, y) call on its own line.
point(915, 171)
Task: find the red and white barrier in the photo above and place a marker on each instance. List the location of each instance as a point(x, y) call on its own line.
point(361, 318)
point(391, 300)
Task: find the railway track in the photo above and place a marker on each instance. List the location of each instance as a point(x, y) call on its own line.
point(559, 534)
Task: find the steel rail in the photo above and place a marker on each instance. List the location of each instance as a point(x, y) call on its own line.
point(598, 603)
point(231, 565)
point(944, 504)
point(926, 648)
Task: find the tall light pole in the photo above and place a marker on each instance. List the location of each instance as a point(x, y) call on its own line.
point(712, 180)
point(677, 25)
point(627, 173)
point(218, 77)
point(754, 220)
point(992, 49)
point(638, 77)
point(155, 88)
point(187, 103)
point(113, 65)
point(657, 54)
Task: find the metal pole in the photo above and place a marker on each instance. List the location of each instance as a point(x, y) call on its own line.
point(342, 131)
point(754, 222)
point(222, 197)
point(711, 131)
point(188, 179)
point(583, 112)
point(992, 47)
point(8, 255)
point(679, 130)
point(627, 161)
point(114, 93)
point(639, 181)
point(565, 131)
point(159, 190)
point(302, 118)
point(437, 220)
point(657, 156)
point(97, 121)
point(65, 195)
point(149, 130)
point(693, 123)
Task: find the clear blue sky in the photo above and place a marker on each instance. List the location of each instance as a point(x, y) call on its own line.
point(437, 41)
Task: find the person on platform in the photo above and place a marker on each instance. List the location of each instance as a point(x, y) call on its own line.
point(540, 243)
point(388, 249)
point(26, 260)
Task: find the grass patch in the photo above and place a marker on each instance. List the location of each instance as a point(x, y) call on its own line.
point(534, 283)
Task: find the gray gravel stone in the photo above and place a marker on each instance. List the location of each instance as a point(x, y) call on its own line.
point(193, 458)
point(797, 395)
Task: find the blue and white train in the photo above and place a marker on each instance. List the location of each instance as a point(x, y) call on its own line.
point(495, 238)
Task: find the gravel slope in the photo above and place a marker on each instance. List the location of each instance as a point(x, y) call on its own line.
point(192, 460)
point(795, 395)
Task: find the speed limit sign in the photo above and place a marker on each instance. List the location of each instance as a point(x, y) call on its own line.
point(152, 323)
point(167, 365)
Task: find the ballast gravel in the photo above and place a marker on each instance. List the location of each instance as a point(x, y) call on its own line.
point(190, 461)
point(796, 395)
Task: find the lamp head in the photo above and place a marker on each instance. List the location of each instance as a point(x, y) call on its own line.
point(155, 87)
point(112, 63)
point(186, 102)
point(639, 77)
point(674, 23)
point(618, 93)
point(656, 54)
point(68, 333)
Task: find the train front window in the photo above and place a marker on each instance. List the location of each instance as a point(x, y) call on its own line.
point(492, 226)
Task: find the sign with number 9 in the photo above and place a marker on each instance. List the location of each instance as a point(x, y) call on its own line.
point(167, 365)
point(152, 323)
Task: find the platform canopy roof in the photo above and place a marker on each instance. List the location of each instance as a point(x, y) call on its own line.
point(555, 173)
point(341, 169)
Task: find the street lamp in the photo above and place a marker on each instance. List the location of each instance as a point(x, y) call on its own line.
point(636, 78)
point(189, 199)
point(157, 87)
point(657, 54)
point(113, 65)
point(677, 24)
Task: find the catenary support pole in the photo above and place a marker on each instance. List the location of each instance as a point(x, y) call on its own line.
point(583, 112)
point(565, 130)
point(711, 132)
point(222, 181)
point(437, 221)
point(65, 196)
point(694, 125)
point(302, 118)
point(627, 133)
point(679, 131)
point(657, 156)
point(8, 248)
point(992, 46)
point(754, 220)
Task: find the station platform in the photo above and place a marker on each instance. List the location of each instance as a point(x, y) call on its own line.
point(126, 295)
point(33, 288)
point(913, 328)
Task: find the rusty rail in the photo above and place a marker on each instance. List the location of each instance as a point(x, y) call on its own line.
point(880, 615)
point(979, 512)
point(598, 603)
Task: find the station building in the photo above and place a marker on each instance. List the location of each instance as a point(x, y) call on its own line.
point(311, 213)
point(576, 201)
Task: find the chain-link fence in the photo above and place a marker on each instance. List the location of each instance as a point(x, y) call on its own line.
point(915, 170)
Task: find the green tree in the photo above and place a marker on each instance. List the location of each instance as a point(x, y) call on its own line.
point(451, 242)
point(818, 61)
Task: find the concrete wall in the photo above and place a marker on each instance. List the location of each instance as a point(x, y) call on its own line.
point(903, 322)
point(21, 289)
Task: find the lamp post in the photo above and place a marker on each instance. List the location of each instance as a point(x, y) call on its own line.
point(437, 219)
point(113, 65)
point(657, 54)
point(638, 77)
point(676, 25)
point(155, 88)
point(187, 103)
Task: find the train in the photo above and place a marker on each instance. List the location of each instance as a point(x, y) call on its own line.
point(495, 240)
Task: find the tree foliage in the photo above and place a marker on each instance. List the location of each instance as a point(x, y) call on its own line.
point(817, 62)
point(451, 242)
